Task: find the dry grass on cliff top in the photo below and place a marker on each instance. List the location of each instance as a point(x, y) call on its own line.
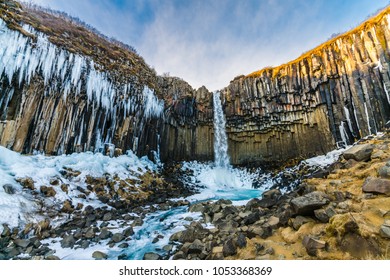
point(369, 23)
point(77, 37)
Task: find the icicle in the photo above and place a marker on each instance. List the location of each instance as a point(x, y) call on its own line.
point(348, 117)
point(387, 93)
point(343, 134)
point(153, 106)
point(368, 118)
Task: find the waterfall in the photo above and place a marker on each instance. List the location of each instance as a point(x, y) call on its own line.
point(221, 157)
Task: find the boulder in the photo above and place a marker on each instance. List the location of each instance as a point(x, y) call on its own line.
point(272, 194)
point(359, 152)
point(97, 255)
point(306, 204)
point(151, 256)
point(376, 185)
point(117, 237)
point(128, 232)
point(299, 221)
point(323, 215)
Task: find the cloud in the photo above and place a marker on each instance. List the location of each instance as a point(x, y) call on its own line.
point(211, 42)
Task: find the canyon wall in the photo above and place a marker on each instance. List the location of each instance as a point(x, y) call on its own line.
point(63, 96)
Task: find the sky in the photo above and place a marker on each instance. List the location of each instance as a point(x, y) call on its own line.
point(209, 42)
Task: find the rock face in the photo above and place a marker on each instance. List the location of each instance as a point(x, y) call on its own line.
point(62, 96)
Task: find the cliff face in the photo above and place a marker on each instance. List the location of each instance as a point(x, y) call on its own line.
point(65, 89)
point(327, 98)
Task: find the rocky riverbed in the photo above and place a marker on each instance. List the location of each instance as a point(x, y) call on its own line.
point(338, 212)
point(341, 212)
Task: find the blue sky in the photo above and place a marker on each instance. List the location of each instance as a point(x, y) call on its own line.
point(209, 42)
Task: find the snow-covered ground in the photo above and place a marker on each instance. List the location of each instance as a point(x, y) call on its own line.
point(20, 208)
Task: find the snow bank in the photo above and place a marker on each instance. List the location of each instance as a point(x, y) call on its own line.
point(17, 209)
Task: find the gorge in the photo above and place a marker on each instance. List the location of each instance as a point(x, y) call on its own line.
point(103, 158)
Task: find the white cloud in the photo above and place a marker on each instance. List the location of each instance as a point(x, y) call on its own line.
point(211, 42)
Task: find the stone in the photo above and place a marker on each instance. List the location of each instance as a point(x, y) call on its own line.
point(67, 207)
point(385, 230)
point(26, 183)
point(9, 189)
point(137, 222)
point(384, 172)
point(22, 242)
point(252, 218)
point(376, 185)
point(65, 188)
point(97, 255)
point(196, 207)
point(359, 152)
point(229, 248)
point(151, 256)
point(272, 194)
point(54, 182)
point(241, 240)
point(117, 237)
point(90, 233)
point(47, 191)
point(323, 215)
point(312, 245)
point(195, 247)
point(306, 204)
point(299, 221)
point(107, 216)
point(105, 234)
point(68, 241)
point(128, 232)
point(52, 258)
point(273, 221)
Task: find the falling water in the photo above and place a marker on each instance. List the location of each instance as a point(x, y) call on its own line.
point(221, 157)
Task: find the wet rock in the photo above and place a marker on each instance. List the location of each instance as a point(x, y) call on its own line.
point(376, 185)
point(272, 194)
point(137, 222)
point(151, 256)
point(306, 204)
point(312, 245)
point(196, 207)
point(229, 248)
point(47, 191)
point(105, 234)
point(6, 231)
point(359, 152)
point(252, 204)
point(9, 189)
point(117, 237)
point(97, 255)
point(128, 232)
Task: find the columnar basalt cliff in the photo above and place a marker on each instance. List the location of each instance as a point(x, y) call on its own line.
point(327, 98)
point(65, 89)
